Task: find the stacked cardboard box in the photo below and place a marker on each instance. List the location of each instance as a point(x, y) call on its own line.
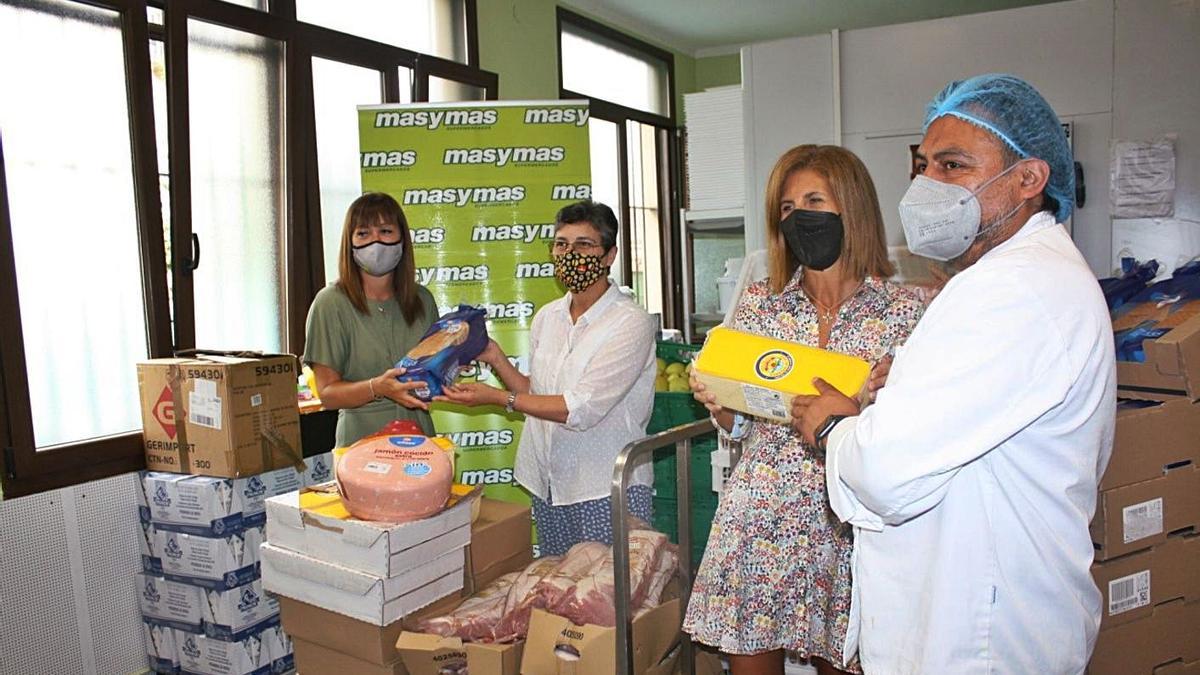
point(1146, 530)
point(345, 587)
point(201, 597)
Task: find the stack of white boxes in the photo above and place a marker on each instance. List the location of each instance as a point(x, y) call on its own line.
point(326, 566)
point(202, 601)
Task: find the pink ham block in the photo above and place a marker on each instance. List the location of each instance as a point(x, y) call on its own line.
point(394, 479)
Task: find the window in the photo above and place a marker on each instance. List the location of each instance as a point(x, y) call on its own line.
point(181, 185)
point(630, 85)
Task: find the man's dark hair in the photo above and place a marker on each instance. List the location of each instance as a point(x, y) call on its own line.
point(598, 215)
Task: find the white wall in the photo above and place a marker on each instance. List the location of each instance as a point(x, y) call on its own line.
point(1115, 68)
point(1157, 91)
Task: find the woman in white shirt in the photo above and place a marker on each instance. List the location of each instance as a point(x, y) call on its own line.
point(589, 392)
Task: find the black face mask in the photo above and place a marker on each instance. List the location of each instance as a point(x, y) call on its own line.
point(815, 237)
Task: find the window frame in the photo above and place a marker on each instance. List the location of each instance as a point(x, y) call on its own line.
point(26, 470)
point(669, 180)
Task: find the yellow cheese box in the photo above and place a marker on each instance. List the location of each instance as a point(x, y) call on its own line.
point(761, 375)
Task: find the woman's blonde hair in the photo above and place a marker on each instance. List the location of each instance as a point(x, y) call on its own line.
point(370, 209)
point(864, 248)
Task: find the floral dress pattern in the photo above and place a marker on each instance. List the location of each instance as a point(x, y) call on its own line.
point(776, 573)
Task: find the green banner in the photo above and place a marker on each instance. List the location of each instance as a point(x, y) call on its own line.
point(480, 184)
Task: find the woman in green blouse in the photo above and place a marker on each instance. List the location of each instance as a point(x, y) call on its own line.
point(360, 326)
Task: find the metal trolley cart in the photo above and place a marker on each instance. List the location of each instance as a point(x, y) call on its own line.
point(681, 437)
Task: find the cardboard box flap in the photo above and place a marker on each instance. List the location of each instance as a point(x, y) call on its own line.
point(427, 641)
point(1171, 367)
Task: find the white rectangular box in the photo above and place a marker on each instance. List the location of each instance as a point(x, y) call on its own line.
point(380, 549)
point(148, 547)
point(203, 655)
point(232, 614)
point(214, 506)
point(170, 602)
point(318, 469)
point(160, 647)
point(282, 654)
point(376, 600)
point(210, 562)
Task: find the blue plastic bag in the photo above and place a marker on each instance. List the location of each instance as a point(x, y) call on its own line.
point(451, 342)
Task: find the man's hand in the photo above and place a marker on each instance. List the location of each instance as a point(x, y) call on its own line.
point(808, 412)
point(879, 375)
point(473, 394)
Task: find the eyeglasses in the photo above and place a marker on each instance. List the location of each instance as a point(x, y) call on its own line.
point(581, 246)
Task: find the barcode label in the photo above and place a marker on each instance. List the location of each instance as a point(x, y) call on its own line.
point(204, 406)
point(1129, 592)
point(1142, 520)
point(255, 400)
point(764, 402)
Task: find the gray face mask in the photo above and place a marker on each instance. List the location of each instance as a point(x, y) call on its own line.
point(378, 258)
point(941, 220)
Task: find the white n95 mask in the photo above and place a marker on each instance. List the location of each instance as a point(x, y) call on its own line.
point(942, 219)
point(378, 258)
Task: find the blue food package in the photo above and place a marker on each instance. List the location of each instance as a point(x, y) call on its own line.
point(451, 342)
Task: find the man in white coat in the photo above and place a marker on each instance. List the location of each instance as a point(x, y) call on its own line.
point(972, 479)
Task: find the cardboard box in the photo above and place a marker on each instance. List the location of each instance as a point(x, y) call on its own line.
point(235, 613)
point(366, 641)
point(214, 507)
point(169, 602)
point(373, 599)
point(501, 540)
point(424, 654)
point(1171, 368)
point(315, 659)
point(220, 415)
point(761, 375)
point(210, 562)
point(252, 655)
point(160, 647)
point(555, 645)
point(1149, 440)
point(1132, 585)
point(322, 530)
point(1139, 516)
point(318, 469)
point(1170, 633)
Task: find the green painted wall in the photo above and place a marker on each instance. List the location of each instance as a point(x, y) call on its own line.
point(718, 71)
point(518, 40)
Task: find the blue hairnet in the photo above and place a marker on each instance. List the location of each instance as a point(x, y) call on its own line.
point(1012, 110)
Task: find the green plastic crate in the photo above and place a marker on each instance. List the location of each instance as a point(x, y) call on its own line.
point(673, 408)
point(665, 514)
point(701, 456)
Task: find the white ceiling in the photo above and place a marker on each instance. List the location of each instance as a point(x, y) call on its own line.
point(708, 27)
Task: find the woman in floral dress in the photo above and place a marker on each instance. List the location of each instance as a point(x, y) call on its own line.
point(776, 573)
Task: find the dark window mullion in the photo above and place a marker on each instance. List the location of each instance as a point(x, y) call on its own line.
point(155, 297)
point(299, 221)
point(179, 142)
point(18, 414)
point(626, 204)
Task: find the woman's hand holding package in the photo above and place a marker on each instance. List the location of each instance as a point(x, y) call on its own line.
point(722, 415)
point(808, 412)
point(387, 386)
point(473, 394)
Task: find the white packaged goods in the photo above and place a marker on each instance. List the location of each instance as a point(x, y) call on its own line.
point(380, 549)
point(377, 600)
point(175, 604)
point(160, 647)
point(200, 654)
point(280, 644)
point(214, 506)
point(234, 613)
point(318, 469)
point(211, 562)
point(148, 546)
